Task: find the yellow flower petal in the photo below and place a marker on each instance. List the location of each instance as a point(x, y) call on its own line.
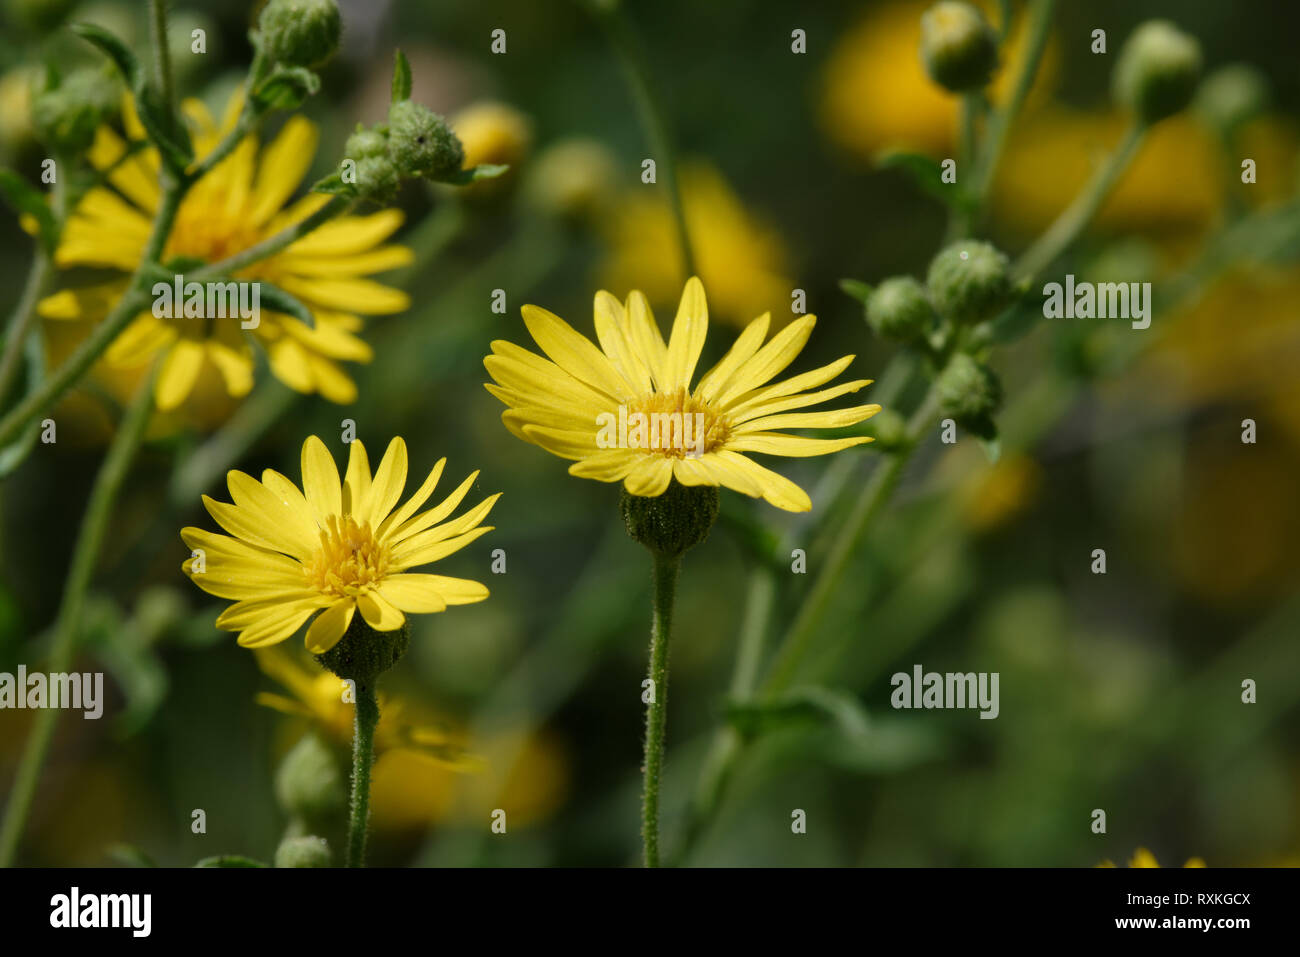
point(320, 480)
point(329, 627)
point(379, 612)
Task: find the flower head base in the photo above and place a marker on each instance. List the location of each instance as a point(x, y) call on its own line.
point(958, 47)
point(1157, 71)
point(335, 548)
point(568, 402)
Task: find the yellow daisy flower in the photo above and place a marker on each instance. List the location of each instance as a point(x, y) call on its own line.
point(235, 206)
point(566, 403)
point(333, 547)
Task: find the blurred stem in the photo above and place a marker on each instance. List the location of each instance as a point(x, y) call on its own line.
point(876, 494)
point(1079, 213)
point(665, 591)
point(21, 320)
point(250, 422)
point(67, 375)
point(431, 238)
point(963, 217)
point(90, 538)
point(363, 758)
point(162, 56)
point(634, 66)
point(1040, 22)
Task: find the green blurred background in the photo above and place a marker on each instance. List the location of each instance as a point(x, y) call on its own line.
point(1120, 692)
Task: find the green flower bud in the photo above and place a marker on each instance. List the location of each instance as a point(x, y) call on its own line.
point(1232, 95)
point(958, 47)
point(363, 654)
point(421, 143)
point(300, 32)
point(970, 393)
point(673, 522)
point(365, 142)
point(1156, 73)
point(310, 851)
point(377, 179)
point(308, 784)
point(890, 430)
point(899, 310)
point(66, 116)
point(969, 281)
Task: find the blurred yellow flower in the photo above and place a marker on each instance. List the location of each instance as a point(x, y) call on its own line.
point(1005, 489)
point(877, 96)
point(236, 205)
point(741, 259)
point(493, 133)
point(1144, 858)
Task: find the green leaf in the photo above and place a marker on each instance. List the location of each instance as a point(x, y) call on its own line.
point(860, 291)
point(27, 199)
point(401, 78)
point(802, 706)
point(925, 172)
point(466, 176)
point(273, 297)
point(229, 860)
point(115, 50)
point(333, 185)
point(164, 131)
point(286, 88)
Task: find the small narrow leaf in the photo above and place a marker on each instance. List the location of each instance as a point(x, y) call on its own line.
point(115, 50)
point(924, 171)
point(860, 291)
point(401, 78)
point(273, 297)
point(466, 176)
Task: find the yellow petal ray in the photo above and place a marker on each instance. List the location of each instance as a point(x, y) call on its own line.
point(611, 465)
point(290, 527)
point(650, 476)
point(289, 364)
point(748, 410)
point(351, 294)
point(346, 235)
point(540, 379)
point(449, 591)
point(144, 338)
point(320, 481)
point(236, 367)
point(379, 612)
point(179, 372)
point(777, 489)
point(690, 329)
point(330, 379)
point(329, 626)
point(433, 516)
point(389, 481)
point(414, 594)
point(722, 471)
point(645, 335)
point(440, 550)
point(792, 446)
point(276, 626)
point(356, 483)
point(744, 403)
point(567, 444)
point(769, 360)
point(574, 353)
point(412, 504)
point(251, 612)
point(612, 334)
point(690, 471)
point(829, 419)
point(329, 336)
point(381, 259)
point(283, 164)
point(741, 351)
point(418, 543)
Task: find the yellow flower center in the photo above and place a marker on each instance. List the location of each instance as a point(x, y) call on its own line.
point(205, 231)
point(675, 425)
point(349, 560)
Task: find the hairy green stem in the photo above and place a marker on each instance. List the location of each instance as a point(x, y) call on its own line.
point(666, 569)
point(90, 538)
point(363, 758)
point(874, 497)
point(21, 320)
point(652, 118)
point(162, 56)
point(1040, 22)
point(1072, 221)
